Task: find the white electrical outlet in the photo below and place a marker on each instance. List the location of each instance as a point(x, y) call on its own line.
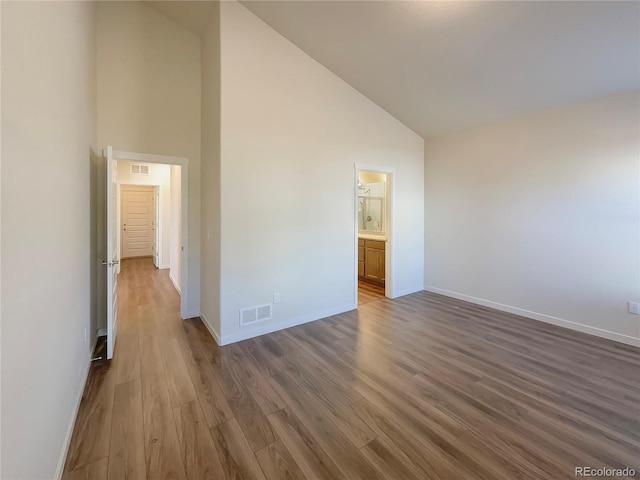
point(276, 297)
point(634, 307)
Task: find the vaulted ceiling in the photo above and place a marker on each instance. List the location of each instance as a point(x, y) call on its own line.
point(192, 15)
point(444, 66)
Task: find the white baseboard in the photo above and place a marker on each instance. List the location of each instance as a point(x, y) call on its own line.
point(72, 424)
point(407, 291)
point(175, 284)
point(212, 331)
point(560, 322)
point(164, 267)
point(274, 327)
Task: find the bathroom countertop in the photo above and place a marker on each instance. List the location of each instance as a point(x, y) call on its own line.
point(371, 236)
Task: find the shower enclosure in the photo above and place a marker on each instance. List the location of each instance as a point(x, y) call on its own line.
point(370, 214)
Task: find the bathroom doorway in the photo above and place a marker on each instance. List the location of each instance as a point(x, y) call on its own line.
point(373, 233)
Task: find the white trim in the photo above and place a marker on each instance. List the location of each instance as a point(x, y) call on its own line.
point(164, 267)
point(375, 168)
point(541, 317)
point(67, 438)
point(159, 196)
point(355, 241)
point(183, 162)
point(150, 158)
point(173, 280)
point(212, 331)
point(389, 282)
point(274, 327)
point(184, 242)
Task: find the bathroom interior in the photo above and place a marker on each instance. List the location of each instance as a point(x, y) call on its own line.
point(372, 235)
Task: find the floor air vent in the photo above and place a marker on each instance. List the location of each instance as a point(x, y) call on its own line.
point(255, 314)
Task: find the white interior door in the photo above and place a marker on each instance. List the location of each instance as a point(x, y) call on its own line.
point(112, 260)
point(138, 221)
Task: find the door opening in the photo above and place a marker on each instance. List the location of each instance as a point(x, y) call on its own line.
point(146, 228)
point(373, 228)
point(138, 221)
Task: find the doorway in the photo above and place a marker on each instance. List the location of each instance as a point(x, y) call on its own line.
point(149, 214)
point(139, 229)
point(373, 221)
point(147, 221)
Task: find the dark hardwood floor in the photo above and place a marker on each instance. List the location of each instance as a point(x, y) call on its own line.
point(421, 387)
point(368, 292)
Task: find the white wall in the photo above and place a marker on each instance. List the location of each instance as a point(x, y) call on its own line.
point(0, 242)
point(541, 216)
point(175, 251)
point(292, 130)
point(159, 175)
point(149, 99)
point(210, 277)
point(377, 189)
point(48, 127)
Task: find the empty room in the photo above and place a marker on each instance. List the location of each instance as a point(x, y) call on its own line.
point(341, 240)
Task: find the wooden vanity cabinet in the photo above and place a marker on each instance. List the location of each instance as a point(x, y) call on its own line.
point(360, 258)
point(371, 261)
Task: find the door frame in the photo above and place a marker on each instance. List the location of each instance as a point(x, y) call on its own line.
point(182, 162)
point(157, 220)
point(388, 221)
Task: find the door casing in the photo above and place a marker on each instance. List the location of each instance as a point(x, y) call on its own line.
point(388, 221)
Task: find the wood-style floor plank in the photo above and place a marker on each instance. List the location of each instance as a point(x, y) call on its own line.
point(252, 421)
point(391, 462)
point(419, 387)
point(180, 385)
point(368, 292)
point(358, 433)
point(128, 359)
point(97, 470)
point(343, 452)
point(259, 388)
point(126, 451)
point(214, 404)
point(277, 463)
point(199, 455)
point(162, 448)
point(309, 455)
point(236, 455)
point(92, 431)
point(428, 457)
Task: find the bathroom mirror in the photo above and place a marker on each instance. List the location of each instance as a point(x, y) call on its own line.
point(370, 214)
